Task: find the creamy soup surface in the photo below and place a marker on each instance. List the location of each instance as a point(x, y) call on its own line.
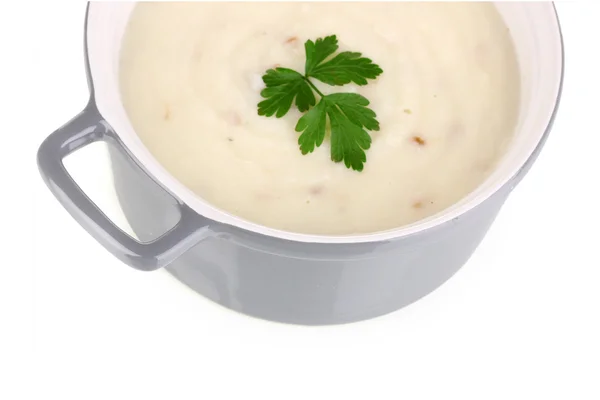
point(447, 103)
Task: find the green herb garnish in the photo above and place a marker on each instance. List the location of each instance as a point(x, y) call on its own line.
point(349, 116)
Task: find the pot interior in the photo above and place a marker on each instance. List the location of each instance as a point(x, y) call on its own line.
point(536, 35)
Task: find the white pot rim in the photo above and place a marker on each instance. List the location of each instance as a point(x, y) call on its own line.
point(100, 46)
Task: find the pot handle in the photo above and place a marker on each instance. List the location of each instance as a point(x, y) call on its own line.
point(86, 128)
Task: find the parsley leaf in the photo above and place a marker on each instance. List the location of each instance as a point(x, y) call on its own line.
point(282, 86)
point(344, 68)
point(312, 125)
point(354, 106)
point(318, 51)
point(348, 141)
point(348, 115)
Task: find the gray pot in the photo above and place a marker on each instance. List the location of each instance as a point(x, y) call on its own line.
point(283, 276)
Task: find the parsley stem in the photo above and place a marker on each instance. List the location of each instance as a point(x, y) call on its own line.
point(313, 86)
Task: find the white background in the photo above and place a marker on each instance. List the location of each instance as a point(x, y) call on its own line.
point(520, 321)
